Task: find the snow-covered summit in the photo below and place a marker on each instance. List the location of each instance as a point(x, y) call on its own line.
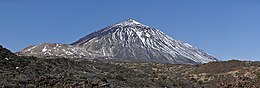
point(132, 20)
point(129, 22)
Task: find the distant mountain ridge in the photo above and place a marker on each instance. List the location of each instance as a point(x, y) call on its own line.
point(127, 40)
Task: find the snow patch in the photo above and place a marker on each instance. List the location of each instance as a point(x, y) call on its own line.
point(188, 45)
point(44, 49)
point(135, 22)
point(147, 35)
point(32, 48)
point(68, 53)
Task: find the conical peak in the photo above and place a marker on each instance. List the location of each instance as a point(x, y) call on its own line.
point(128, 40)
point(130, 22)
point(133, 21)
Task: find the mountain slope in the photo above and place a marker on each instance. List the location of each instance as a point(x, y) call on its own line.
point(127, 40)
point(5, 53)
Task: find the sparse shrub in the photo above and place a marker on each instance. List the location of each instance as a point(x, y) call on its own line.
point(200, 82)
point(179, 83)
point(9, 85)
point(164, 77)
point(31, 86)
point(121, 78)
point(258, 75)
point(64, 73)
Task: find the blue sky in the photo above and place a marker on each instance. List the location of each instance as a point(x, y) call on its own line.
point(227, 29)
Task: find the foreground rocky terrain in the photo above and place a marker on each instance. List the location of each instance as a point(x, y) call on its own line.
point(32, 72)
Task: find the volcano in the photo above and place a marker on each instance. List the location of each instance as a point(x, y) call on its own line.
point(129, 40)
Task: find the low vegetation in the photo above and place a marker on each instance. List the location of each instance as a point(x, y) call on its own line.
point(34, 72)
point(31, 72)
point(258, 75)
